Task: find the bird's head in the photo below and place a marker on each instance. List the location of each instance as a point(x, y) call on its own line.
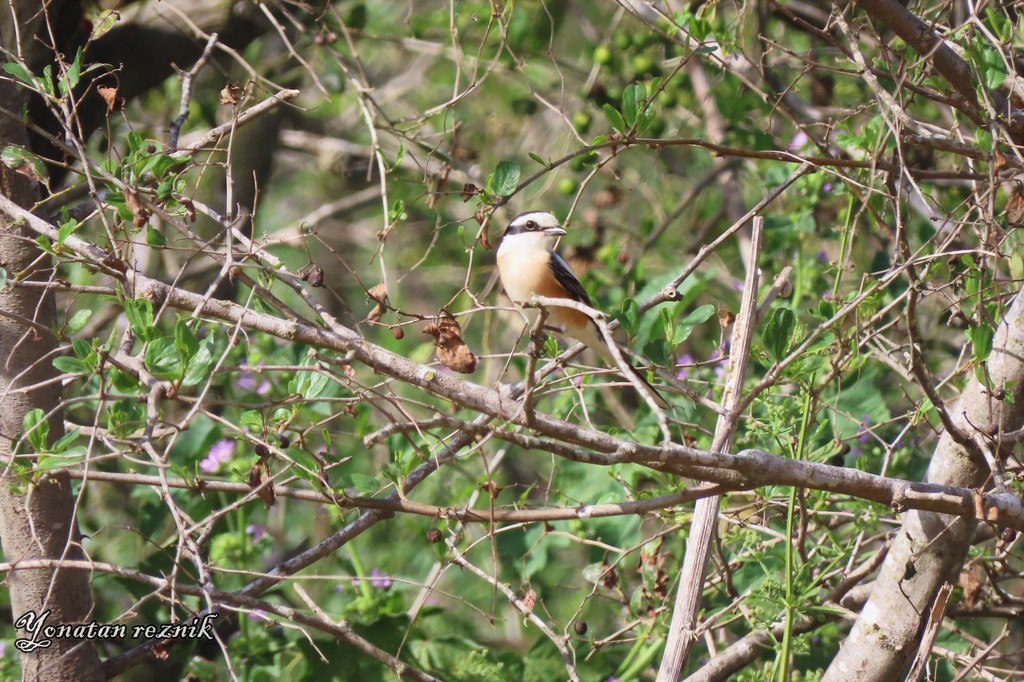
point(535, 228)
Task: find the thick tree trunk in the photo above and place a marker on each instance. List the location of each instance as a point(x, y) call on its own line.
point(36, 521)
point(930, 549)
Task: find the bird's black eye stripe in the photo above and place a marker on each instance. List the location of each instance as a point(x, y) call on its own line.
point(531, 225)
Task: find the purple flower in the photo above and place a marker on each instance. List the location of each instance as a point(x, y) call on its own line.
point(685, 362)
point(247, 381)
point(864, 435)
point(799, 140)
point(257, 531)
point(827, 187)
point(220, 453)
point(379, 579)
point(822, 256)
point(3, 647)
point(719, 360)
point(258, 614)
point(827, 296)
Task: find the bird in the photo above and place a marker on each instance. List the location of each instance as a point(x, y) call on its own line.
point(529, 266)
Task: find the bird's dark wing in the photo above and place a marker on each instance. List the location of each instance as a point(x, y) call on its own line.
point(567, 279)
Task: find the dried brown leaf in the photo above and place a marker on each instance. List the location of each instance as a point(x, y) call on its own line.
point(378, 293)
point(971, 581)
point(135, 205)
point(452, 351)
point(1015, 206)
point(529, 600)
point(266, 493)
point(109, 95)
point(726, 318)
point(1000, 162)
point(231, 94)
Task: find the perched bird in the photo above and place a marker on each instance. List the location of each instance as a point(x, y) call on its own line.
point(529, 266)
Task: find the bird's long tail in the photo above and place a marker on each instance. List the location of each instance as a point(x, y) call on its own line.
point(593, 340)
point(655, 395)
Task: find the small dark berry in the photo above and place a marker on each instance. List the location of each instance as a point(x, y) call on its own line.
point(283, 440)
point(316, 276)
point(434, 535)
point(398, 333)
point(262, 450)
point(580, 627)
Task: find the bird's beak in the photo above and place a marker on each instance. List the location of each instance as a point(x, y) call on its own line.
point(555, 231)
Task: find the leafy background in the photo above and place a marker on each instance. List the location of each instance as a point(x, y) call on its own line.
point(418, 131)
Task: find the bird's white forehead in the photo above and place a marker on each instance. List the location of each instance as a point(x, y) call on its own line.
point(542, 218)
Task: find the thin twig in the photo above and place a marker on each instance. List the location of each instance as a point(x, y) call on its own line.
point(561, 643)
point(187, 77)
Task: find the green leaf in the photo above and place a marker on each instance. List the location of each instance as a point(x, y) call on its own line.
point(778, 332)
point(308, 384)
point(305, 464)
point(995, 69)
point(199, 366)
point(185, 341)
point(70, 365)
point(75, 69)
point(125, 417)
point(550, 347)
point(25, 162)
point(36, 429)
point(139, 312)
point(252, 420)
point(65, 441)
point(823, 342)
point(82, 348)
point(163, 360)
point(47, 81)
point(67, 229)
point(538, 159)
point(19, 72)
point(685, 326)
point(77, 321)
point(399, 154)
point(364, 485)
point(981, 337)
point(44, 464)
point(615, 119)
point(506, 178)
point(629, 316)
point(658, 351)
point(134, 141)
point(632, 101)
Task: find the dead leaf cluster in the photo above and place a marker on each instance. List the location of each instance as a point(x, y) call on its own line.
point(452, 350)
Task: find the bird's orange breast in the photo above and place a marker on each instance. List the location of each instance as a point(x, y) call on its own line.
point(524, 278)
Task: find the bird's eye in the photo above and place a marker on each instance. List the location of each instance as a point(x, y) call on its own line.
point(531, 225)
